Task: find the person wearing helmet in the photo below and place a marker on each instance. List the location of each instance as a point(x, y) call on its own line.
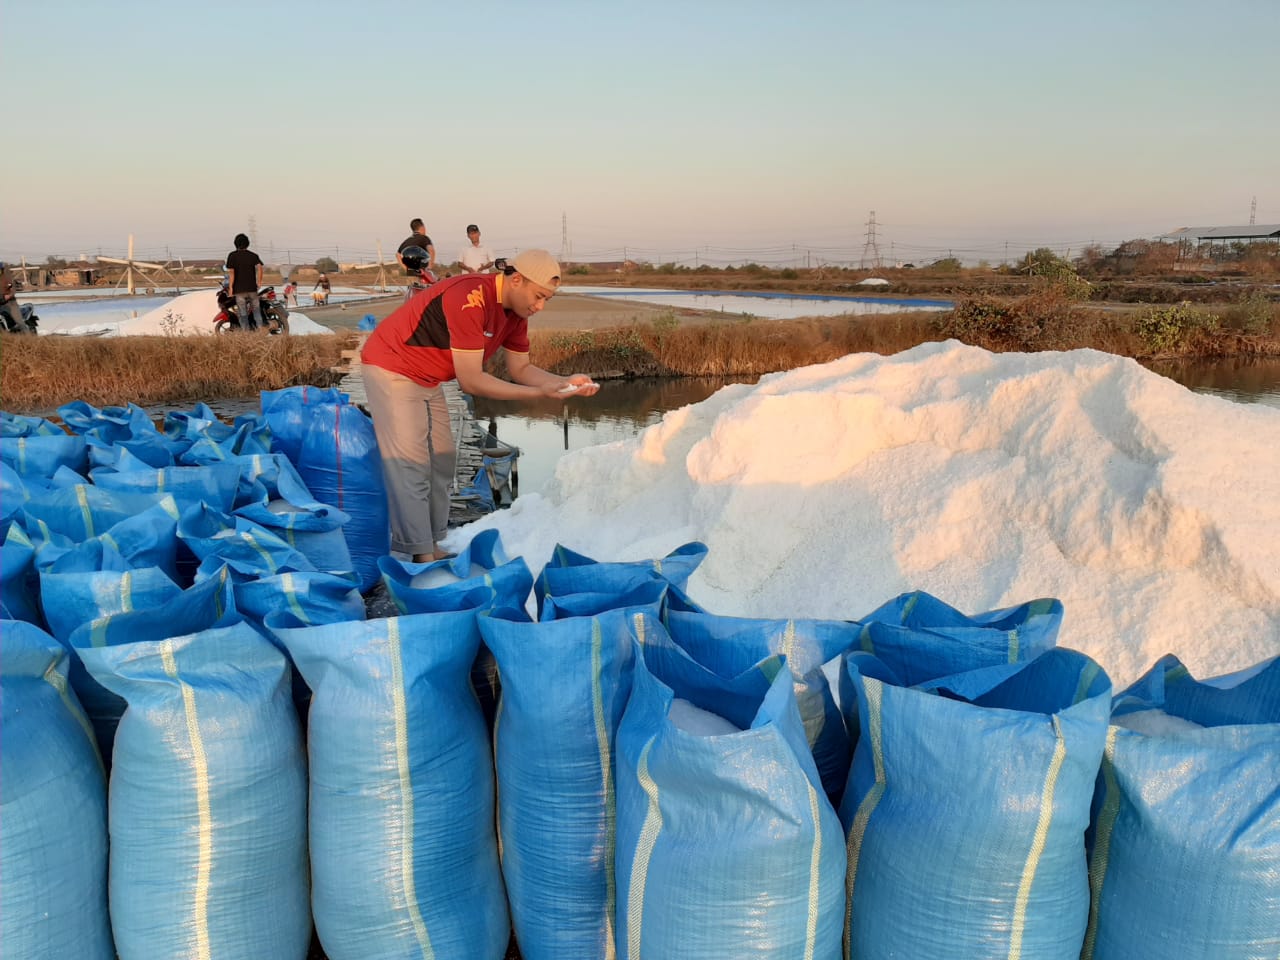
point(443, 332)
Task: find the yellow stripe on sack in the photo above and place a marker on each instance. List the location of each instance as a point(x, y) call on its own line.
point(606, 776)
point(853, 849)
point(1102, 840)
point(1014, 644)
point(82, 498)
point(200, 765)
point(263, 551)
point(400, 712)
point(22, 455)
point(815, 872)
point(1037, 843)
point(291, 594)
point(644, 852)
point(59, 683)
point(126, 591)
point(1087, 676)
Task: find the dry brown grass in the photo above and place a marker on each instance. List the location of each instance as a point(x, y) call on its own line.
point(39, 374)
point(726, 348)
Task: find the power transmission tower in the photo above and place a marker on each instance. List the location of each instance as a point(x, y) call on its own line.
point(1253, 212)
point(872, 246)
point(253, 229)
point(564, 237)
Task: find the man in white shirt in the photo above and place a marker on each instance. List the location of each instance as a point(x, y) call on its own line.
point(475, 256)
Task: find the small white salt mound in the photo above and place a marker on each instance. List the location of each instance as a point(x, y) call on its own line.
point(985, 479)
point(701, 723)
point(873, 282)
point(1155, 723)
point(442, 577)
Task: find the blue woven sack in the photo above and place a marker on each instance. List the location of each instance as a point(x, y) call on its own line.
point(569, 572)
point(565, 684)
point(966, 806)
point(727, 846)
point(287, 412)
point(404, 860)
point(1185, 843)
point(41, 456)
point(208, 798)
point(53, 808)
point(71, 599)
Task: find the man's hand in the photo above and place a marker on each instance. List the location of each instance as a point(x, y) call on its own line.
point(577, 385)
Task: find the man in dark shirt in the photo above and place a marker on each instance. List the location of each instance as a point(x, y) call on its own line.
point(244, 277)
point(417, 238)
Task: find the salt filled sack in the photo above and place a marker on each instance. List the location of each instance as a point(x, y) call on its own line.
point(482, 564)
point(569, 572)
point(404, 860)
point(726, 845)
point(214, 484)
point(71, 599)
point(287, 412)
point(203, 606)
point(53, 809)
point(966, 807)
point(565, 684)
point(1185, 842)
point(41, 456)
point(730, 645)
point(19, 584)
point(208, 799)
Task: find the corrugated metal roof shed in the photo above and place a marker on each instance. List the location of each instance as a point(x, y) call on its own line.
point(1259, 231)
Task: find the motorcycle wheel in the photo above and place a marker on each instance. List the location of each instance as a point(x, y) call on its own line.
point(223, 326)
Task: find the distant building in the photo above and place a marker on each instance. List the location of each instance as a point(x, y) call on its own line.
point(1229, 234)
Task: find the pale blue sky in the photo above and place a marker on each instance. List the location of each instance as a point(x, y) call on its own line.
point(715, 130)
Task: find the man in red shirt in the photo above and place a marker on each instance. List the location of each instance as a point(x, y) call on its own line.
point(444, 332)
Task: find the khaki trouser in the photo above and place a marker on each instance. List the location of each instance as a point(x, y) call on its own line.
point(415, 441)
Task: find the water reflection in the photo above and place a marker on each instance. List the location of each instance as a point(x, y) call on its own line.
point(1240, 379)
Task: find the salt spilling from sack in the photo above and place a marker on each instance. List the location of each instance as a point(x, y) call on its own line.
point(985, 479)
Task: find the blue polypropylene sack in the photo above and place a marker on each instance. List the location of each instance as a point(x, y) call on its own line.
point(726, 845)
point(288, 410)
point(404, 860)
point(204, 606)
point(651, 597)
point(214, 484)
point(251, 436)
point(966, 807)
point(83, 512)
point(19, 583)
point(216, 539)
point(339, 461)
point(920, 638)
point(153, 449)
point(208, 799)
point(53, 808)
point(569, 572)
point(565, 684)
point(481, 564)
point(72, 599)
point(13, 492)
point(1185, 844)
point(16, 425)
point(310, 596)
point(147, 538)
point(312, 528)
point(109, 423)
point(728, 646)
point(40, 456)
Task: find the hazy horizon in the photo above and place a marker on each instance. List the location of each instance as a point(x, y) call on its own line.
point(717, 132)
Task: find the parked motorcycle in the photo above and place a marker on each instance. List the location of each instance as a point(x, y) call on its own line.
point(275, 315)
point(29, 319)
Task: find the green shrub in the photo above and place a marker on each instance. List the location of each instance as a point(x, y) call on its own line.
point(1252, 314)
point(1173, 329)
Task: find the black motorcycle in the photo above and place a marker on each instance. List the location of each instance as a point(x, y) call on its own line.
point(275, 315)
point(29, 319)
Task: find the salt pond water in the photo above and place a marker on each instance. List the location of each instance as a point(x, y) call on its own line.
point(774, 306)
point(986, 479)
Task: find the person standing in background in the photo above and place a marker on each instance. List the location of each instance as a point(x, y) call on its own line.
point(244, 279)
point(475, 256)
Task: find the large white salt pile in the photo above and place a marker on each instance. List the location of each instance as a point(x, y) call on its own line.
point(186, 315)
point(985, 479)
